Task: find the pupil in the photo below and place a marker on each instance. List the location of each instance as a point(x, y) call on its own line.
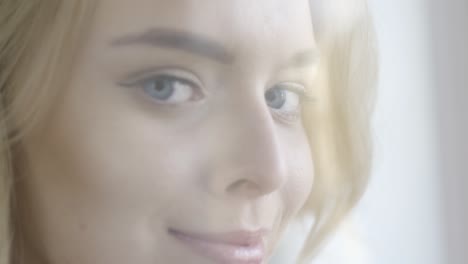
point(162, 85)
point(161, 89)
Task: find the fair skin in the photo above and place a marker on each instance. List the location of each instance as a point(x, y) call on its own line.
point(182, 117)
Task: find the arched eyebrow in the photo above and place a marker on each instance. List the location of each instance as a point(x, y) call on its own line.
point(180, 40)
point(199, 45)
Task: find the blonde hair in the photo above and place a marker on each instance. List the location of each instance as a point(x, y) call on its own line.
point(38, 36)
point(338, 124)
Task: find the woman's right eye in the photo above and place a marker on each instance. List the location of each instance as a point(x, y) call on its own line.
point(167, 89)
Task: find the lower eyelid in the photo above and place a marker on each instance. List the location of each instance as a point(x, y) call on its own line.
point(287, 118)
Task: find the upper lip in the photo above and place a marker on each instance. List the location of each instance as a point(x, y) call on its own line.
point(241, 238)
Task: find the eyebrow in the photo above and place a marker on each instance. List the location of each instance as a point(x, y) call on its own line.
point(199, 45)
point(178, 40)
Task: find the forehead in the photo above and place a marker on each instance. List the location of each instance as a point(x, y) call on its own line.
point(237, 24)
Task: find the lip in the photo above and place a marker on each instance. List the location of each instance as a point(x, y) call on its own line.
point(237, 247)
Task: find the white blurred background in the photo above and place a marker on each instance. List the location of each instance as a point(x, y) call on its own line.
point(415, 209)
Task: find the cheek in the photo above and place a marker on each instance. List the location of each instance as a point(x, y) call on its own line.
point(301, 178)
point(114, 161)
point(298, 191)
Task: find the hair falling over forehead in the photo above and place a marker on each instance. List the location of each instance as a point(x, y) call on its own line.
point(38, 37)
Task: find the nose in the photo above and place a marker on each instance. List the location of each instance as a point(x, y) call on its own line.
point(249, 159)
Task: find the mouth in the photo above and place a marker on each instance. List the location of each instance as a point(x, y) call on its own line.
point(238, 247)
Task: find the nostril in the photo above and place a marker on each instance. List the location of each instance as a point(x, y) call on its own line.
point(255, 185)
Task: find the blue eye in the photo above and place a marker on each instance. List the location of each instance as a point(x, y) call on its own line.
point(160, 89)
point(169, 89)
point(283, 99)
point(275, 97)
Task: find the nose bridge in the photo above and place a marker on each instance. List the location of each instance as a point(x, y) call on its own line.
point(255, 165)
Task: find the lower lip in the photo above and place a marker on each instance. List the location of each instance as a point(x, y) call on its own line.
point(223, 253)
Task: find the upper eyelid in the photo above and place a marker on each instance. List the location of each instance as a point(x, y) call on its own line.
point(297, 86)
point(175, 77)
point(304, 92)
point(152, 73)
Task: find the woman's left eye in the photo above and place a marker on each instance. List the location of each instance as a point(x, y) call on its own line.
point(283, 98)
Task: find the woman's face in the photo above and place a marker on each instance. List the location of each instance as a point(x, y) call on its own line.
point(179, 138)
